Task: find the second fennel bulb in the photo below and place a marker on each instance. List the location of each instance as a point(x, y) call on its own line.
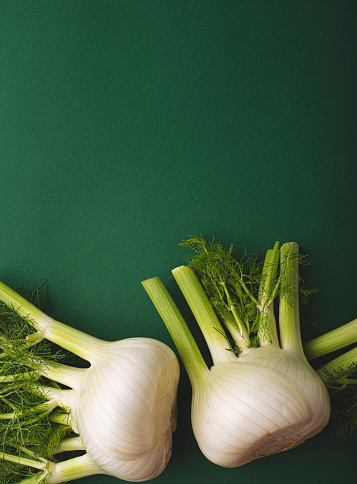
point(255, 400)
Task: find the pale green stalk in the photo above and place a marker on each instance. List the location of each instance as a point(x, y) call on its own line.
point(43, 408)
point(81, 344)
point(332, 341)
point(71, 469)
point(70, 444)
point(181, 335)
point(289, 320)
point(58, 395)
point(242, 330)
point(67, 375)
point(26, 375)
point(204, 314)
point(242, 341)
point(344, 360)
point(267, 331)
point(33, 480)
point(56, 473)
point(41, 464)
point(60, 418)
point(23, 307)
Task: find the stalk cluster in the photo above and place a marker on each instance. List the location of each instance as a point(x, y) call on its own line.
point(260, 396)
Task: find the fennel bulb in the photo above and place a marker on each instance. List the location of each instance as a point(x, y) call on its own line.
point(260, 396)
point(120, 411)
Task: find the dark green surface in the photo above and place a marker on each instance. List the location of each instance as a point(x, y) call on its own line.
point(127, 125)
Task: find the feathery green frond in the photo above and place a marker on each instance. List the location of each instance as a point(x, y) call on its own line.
point(342, 385)
point(230, 283)
point(25, 427)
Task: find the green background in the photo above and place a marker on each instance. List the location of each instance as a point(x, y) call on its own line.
point(128, 125)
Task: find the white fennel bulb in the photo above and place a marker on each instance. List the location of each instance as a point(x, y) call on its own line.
point(297, 369)
point(121, 410)
point(254, 400)
point(243, 412)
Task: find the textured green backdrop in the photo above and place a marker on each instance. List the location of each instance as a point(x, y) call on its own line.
point(127, 125)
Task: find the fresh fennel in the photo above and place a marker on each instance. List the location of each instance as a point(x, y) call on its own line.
point(117, 415)
point(261, 396)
